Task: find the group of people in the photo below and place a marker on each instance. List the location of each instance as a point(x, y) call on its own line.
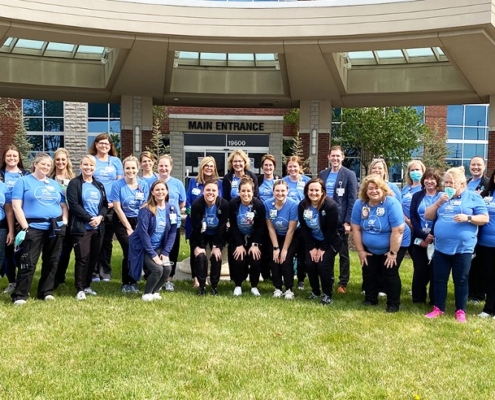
point(272, 227)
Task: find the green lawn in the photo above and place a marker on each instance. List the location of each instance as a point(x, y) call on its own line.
point(116, 346)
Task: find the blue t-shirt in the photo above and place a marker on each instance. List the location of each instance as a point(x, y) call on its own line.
point(330, 183)
point(40, 199)
point(130, 200)
point(458, 237)
point(280, 218)
point(244, 219)
point(296, 189)
point(426, 202)
point(313, 222)
point(161, 223)
point(91, 198)
point(5, 198)
point(234, 189)
point(486, 236)
point(266, 189)
point(394, 188)
point(406, 197)
point(210, 219)
point(177, 195)
point(149, 179)
point(107, 172)
point(11, 178)
point(473, 184)
point(195, 190)
point(377, 222)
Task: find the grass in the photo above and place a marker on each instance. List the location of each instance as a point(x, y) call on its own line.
point(115, 346)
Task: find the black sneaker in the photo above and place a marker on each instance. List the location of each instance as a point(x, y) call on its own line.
point(313, 296)
point(392, 309)
point(325, 300)
point(202, 292)
point(214, 291)
point(300, 285)
point(368, 303)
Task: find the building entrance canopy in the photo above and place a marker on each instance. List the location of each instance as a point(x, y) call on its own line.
point(254, 54)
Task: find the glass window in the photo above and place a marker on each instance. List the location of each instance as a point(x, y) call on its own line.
point(114, 110)
point(474, 133)
point(103, 118)
point(114, 126)
point(476, 115)
point(32, 108)
point(455, 115)
point(54, 108)
point(98, 110)
point(97, 126)
point(54, 125)
point(455, 150)
point(454, 133)
point(34, 124)
point(454, 163)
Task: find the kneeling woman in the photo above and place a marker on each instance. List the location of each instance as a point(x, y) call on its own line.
point(209, 215)
point(88, 207)
point(378, 224)
point(321, 231)
point(151, 242)
point(247, 222)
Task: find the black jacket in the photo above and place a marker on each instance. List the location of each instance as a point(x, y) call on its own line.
point(78, 216)
point(227, 184)
point(417, 231)
point(330, 225)
point(198, 209)
point(483, 183)
point(259, 223)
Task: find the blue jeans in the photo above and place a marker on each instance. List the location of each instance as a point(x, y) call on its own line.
point(460, 265)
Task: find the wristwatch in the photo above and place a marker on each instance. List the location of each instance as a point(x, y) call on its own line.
point(470, 218)
point(276, 248)
point(254, 244)
point(392, 253)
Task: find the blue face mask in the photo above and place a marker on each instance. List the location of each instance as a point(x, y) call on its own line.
point(415, 175)
point(450, 192)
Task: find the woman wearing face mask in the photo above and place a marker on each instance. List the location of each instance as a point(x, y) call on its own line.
point(281, 221)
point(415, 170)
point(458, 214)
point(108, 170)
point(11, 170)
point(247, 223)
point(128, 195)
point(209, 215)
point(207, 170)
point(238, 162)
point(147, 160)
point(177, 198)
point(422, 235)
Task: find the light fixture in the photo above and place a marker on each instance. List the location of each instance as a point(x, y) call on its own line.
point(313, 142)
point(137, 139)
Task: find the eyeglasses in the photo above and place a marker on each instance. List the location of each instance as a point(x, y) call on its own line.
point(209, 166)
point(104, 143)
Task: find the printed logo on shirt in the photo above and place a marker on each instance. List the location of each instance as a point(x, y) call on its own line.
point(372, 225)
point(47, 195)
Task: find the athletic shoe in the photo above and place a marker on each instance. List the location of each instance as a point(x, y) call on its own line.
point(156, 296)
point(277, 293)
point(106, 279)
point(313, 296)
point(9, 289)
point(238, 291)
point(300, 285)
point(342, 290)
point(169, 285)
point(126, 289)
point(90, 291)
point(147, 297)
point(435, 313)
point(202, 292)
point(460, 316)
point(382, 294)
point(289, 295)
point(325, 300)
point(255, 292)
point(49, 297)
point(19, 302)
point(133, 288)
point(392, 309)
point(484, 315)
point(214, 291)
point(81, 295)
point(96, 279)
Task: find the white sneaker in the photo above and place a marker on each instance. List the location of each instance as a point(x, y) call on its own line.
point(49, 297)
point(169, 285)
point(147, 297)
point(237, 291)
point(90, 291)
point(277, 293)
point(255, 292)
point(484, 315)
point(156, 296)
point(19, 302)
point(9, 289)
point(289, 295)
point(381, 294)
point(81, 295)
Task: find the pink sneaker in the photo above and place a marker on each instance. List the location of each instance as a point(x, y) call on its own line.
point(460, 316)
point(435, 313)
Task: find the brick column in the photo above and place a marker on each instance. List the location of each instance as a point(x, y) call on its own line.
point(491, 136)
point(76, 131)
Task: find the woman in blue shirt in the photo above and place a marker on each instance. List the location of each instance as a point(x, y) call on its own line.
point(379, 167)
point(152, 240)
point(209, 215)
point(422, 236)
point(322, 234)
point(247, 223)
point(39, 207)
point(281, 220)
point(207, 170)
point(87, 209)
point(147, 160)
point(108, 170)
point(415, 170)
point(128, 195)
point(238, 166)
point(378, 224)
point(458, 214)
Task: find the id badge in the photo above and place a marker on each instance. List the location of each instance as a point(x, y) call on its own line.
point(308, 214)
point(340, 192)
point(300, 185)
point(456, 202)
point(250, 216)
point(65, 182)
point(196, 191)
point(380, 211)
point(139, 196)
point(273, 214)
point(488, 199)
point(204, 226)
point(365, 212)
point(173, 218)
point(234, 184)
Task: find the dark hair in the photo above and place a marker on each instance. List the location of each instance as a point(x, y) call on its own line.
point(4, 164)
point(246, 180)
point(432, 173)
point(490, 187)
point(102, 136)
point(269, 157)
point(151, 203)
point(211, 181)
point(307, 201)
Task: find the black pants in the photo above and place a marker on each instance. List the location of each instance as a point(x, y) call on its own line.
point(192, 259)
point(344, 263)
point(12, 262)
point(239, 269)
point(487, 256)
point(422, 275)
point(86, 250)
point(476, 283)
point(391, 278)
point(157, 274)
point(123, 239)
point(284, 273)
point(104, 268)
point(300, 256)
point(174, 253)
point(322, 271)
point(201, 266)
point(35, 243)
point(63, 263)
point(266, 257)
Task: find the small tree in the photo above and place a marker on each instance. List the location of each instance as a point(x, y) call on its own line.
point(434, 149)
point(296, 148)
point(157, 140)
point(115, 137)
point(9, 109)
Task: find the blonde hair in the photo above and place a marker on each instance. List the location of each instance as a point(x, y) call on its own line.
point(241, 154)
point(69, 173)
point(410, 164)
point(385, 169)
point(378, 181)
point(200, 178)
point(457, 173)
point(88, 157)
point(131, 159)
